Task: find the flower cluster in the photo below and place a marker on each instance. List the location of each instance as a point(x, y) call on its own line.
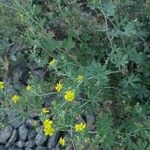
point(45, 110)
point(80, 127)
point(28, 88)
point(2, 85)
point(58, 87)
point(62, 141)
point(15, 99)
point(48, 127)
point(69, 95)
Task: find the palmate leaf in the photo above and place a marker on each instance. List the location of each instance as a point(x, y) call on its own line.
point(95, 71)
point(130, 81)
point(118, 58)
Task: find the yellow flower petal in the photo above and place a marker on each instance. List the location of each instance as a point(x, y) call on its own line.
point(15, 98)
point(58, 87)
point(69, 96)
point(45, 110)
point(2, 85)
point(62, 141)
point(28, 88)
point(80, 127)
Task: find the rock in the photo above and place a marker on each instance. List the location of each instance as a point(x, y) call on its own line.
point(57, 147)
point(5, 134)
point(31, 135)
point(52, 141)
point(49, 98)
point(30, 143)
point(12, 138)
point(15, 148)
point(2, 147)
point(41, 148)
point(14, 118)
point(40, 138)
point(90, 121)
point(23, 132)
point(27, 148)
point(30, 123)
point(20, 144)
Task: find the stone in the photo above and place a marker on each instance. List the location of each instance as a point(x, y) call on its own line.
point(23, 132)
point(41, 148)
point(14, 118)
point(30, 143)
point(31, 135)
point(14, 148)
point(20, 144)
point(30, 123)
point(52, 141)
point(2, 147)
point(40, 138)
point(5, 134)
point(12, 138)
point(57, 147)
point(27, 148)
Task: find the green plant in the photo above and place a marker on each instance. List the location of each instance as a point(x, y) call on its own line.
point(106, 44)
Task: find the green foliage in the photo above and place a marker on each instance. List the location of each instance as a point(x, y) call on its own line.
point(104, 41)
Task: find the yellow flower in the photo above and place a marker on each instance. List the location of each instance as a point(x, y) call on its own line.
point(15, 98)
point(48, 123)
point(80, 78)
point(2, 85)
point(62, 141)
point(53, 62)
point(49, 131)
point(45, 110)
point(28, 88)
point(58, 87)
point(80, 127)
point(69, 96)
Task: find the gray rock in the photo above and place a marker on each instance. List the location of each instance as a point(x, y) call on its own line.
point(14, 118)
point(12, 138)
point(30, 123)
point(14, 148)
point(30, 143)
point(41, 148)
point(5, 134)
point(57, 148)
point(27, 148)
point(31, 135)
point(23, 132)
point(40, 138)
point(2, 147)
point(52, 141)
point(20, 144)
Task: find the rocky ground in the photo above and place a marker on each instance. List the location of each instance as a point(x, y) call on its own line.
point(22, 136)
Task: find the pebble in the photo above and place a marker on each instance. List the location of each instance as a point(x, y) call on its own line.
point(2, 147)
point(27, 148)
point(31, 134)
point(20, 144)
point(12, 138)
point(52, 141)
point(23, 132)
point(5, 134)
point(41, 148)
point(15, 148)
point(30, 123)
point(30, 143)
point(40, 139)
point(14, 119)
